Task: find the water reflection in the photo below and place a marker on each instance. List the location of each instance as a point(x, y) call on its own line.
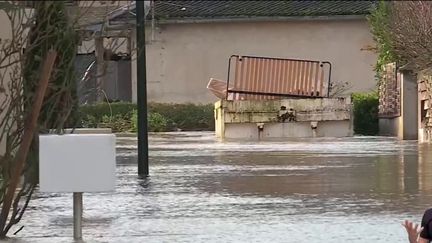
point(200, 190)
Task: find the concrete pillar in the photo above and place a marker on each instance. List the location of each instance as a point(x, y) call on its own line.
point(420, 138)
point(405, 126)
point(409, 105)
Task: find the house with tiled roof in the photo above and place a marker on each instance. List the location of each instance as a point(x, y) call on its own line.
point(189, 42)
point(179, 11)
point(192, 41)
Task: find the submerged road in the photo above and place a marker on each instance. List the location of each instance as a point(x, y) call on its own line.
point(200, 190)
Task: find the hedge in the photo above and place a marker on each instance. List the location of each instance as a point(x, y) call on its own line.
point(366, 113)
point(122, 117)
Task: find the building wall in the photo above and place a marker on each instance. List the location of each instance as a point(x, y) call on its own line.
point(183, 57)
point(404, 126)
point(424, 108)
point(5, 34)
point(20, 19)
point(409, 106)
point(392, 127)
point(116, 45)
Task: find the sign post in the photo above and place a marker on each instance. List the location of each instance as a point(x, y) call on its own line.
point(77, 163)
point(143, 163)
point(77, 215)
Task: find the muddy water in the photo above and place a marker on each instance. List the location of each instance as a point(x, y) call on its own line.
point(201, 190)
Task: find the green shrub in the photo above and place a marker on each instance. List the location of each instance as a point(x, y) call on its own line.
point(134, 119)
point(157, 122)
point(118, 123)
point(186, 116)
point(88, 121)
point(379, 22)
point(105, 109)
point(365, 113)
point(116, 116)
point(122, 117)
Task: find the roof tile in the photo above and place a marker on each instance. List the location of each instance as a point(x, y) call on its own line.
point(237, 9)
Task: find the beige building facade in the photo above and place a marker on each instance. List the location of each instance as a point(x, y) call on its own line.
point(183, 56)
point(5, 34)
point(9, 29)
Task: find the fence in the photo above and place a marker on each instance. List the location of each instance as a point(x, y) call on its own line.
point(263, 78)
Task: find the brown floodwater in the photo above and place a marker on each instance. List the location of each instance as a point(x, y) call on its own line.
point(202, 190)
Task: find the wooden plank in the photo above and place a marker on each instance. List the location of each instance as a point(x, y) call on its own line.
point(301, 76)
point(255, 75)
point(286, 82)
point(266, 76)
point(311, 79)
point(276, 77)
point(306, 78)
point(297, 77)
point(258, 77)
point(282, 82)
point(247, 76)
point(269, 82)
point(317, 68)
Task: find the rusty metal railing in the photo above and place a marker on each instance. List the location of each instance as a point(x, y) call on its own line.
point(263, 78)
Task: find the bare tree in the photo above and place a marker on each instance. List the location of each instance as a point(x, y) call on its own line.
point(33, 32)
point(410, 29)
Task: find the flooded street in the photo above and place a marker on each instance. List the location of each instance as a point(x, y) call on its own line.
point(201, 190)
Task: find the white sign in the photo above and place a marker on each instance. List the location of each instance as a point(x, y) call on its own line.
point(77, 163)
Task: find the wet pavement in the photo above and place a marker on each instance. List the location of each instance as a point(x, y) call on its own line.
point(201, 190)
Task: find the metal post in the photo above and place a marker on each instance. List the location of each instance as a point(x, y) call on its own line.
point(143, 168)
point(77, 215)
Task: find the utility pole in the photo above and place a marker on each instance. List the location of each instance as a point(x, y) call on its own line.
point(143, 165)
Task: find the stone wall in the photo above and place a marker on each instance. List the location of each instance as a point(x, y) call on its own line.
point(425, 106)
point(250, 119)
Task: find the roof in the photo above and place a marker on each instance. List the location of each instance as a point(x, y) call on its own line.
point(198, 10)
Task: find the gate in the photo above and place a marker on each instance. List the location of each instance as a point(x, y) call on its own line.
point(264, 78)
